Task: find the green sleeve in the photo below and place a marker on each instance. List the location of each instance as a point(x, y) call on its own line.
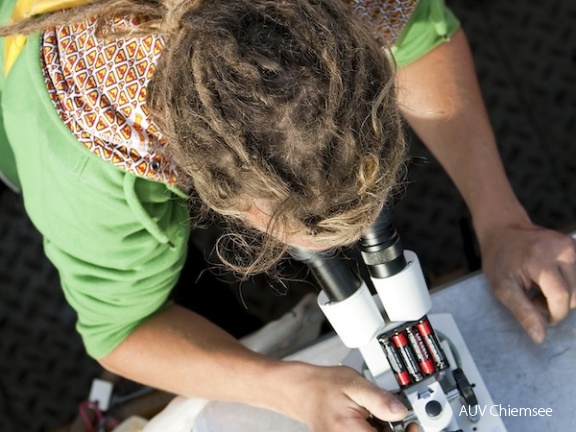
point(118, 241)
point(114, 271)
point(431, 24)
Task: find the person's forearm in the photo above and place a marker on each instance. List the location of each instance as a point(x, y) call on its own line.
point(440, 98)
point(181, 352)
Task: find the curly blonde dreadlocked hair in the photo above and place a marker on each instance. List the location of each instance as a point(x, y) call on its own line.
point(283, 105)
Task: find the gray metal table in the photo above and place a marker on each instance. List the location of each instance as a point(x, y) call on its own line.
point(517, 372)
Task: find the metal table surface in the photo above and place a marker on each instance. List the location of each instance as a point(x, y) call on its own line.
point(517, 372)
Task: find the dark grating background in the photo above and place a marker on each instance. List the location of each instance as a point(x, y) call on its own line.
point(526, 58)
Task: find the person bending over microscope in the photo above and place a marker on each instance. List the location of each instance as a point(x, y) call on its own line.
point(284, 118)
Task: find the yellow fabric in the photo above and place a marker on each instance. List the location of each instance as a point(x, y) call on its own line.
point(26, 9)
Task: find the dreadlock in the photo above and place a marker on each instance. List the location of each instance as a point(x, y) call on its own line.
point(287, 106)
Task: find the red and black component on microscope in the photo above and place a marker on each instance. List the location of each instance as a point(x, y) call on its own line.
point(400, 341)
point(393, 356)
point(432, 343)
point(419, 348)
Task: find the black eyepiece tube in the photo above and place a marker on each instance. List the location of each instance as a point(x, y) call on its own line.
point(335, 279)
point(381, 247)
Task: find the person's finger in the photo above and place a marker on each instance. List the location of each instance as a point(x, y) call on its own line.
point(515, 299)
point(378, 402)
point(557, 293)
point(567, 266)
point(413, 427)
point(541, 304)
point(568, 271)
point(382, 426)
point(353, 423)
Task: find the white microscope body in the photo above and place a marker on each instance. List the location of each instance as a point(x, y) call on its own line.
point(400, 351)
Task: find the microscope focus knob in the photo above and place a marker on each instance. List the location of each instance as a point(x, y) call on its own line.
point(433, 408)
point(464, 387)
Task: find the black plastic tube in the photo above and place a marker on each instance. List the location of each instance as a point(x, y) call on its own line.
point(381, 247)
point(335, 279)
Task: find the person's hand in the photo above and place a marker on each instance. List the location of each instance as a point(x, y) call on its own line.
point(338, 399)
point(517, 259)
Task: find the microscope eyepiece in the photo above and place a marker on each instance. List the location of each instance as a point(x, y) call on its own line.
point(381, 247)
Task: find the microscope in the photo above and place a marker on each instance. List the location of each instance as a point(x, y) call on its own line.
point(422, 360)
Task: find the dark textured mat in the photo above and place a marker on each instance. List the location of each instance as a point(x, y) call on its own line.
point(524, 51)
point(44, 371)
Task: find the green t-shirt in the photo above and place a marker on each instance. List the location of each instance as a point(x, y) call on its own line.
point(118, 241)
point(430, 25)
